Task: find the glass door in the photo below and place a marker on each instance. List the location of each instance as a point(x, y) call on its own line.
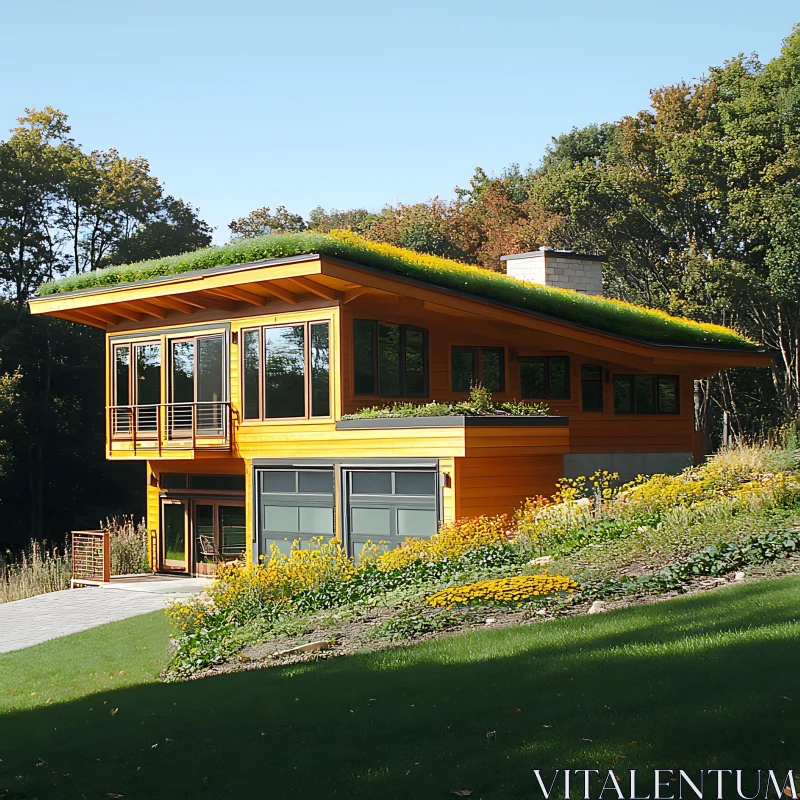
point(174, 522)
point(219, 532)
point(197, 387)
point(147, 386)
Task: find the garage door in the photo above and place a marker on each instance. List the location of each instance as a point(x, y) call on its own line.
point(294, 504)
point(390, 505)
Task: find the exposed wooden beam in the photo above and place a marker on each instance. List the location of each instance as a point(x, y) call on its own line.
point(176, 304)
point(217, 301)
point(148, 308)
point(235, 293)
point(352, 294)
point(278, 291)
point(101, 314)
point(193, 300)
point(317, 288)
point(83, 318)
point(126, 313)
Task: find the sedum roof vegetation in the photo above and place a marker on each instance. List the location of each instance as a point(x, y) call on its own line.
point(601, 314)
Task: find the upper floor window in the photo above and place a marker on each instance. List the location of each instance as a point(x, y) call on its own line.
point(474, 365)
point(137, 386)
point(646, 394)
point(390, 360)
point(286, 371)
point(591, 387)
point(544, 377)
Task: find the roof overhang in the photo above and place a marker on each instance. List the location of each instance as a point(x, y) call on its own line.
point(278, 284)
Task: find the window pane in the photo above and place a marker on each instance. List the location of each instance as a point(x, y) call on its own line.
point(371, 521)
point(122, 360)
point(463, 363)
point(173, 480)
point(592, 387)
point(623, 394)
point(558, 377)
point(316, 521)
point(204, 530)
point(372, 482)
point(414, 362)
point(645, 394)
point(420, 483)
point(531, 375)
point(364, 356)
point(174, 532)
point(668, 395)
point(493, 369)
point(416, 522)
point(232, 529)
point(284, 372)
point(389, 359)
point(148, 374)
point(278, 481)
point(315, 481)
point(320, 371)
point(183, 372)
point(592, 392)
point(221, 483)
point(251, 377)
point(210, 376)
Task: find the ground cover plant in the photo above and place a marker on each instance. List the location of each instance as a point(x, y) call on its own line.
point(591, 541)
point(614, 316)
point(472, 713)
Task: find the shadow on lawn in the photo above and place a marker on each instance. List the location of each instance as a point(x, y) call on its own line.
point(417, 723)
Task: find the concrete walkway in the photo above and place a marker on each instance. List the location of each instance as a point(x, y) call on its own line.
point(47, 616)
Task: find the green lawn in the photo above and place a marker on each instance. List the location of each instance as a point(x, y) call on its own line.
point(705, 681)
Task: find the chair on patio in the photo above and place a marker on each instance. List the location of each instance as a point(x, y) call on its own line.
point(208, 549)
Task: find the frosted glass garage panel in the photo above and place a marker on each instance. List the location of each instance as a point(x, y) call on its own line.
point(317, 521)
point(416, 522)
point(284, 519)
point(371, 521)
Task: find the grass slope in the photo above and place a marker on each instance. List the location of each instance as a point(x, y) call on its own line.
point(702, 681)
point(602, 314)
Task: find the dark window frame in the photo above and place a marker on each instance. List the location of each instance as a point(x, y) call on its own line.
point(592, 380)
point(477, 360)
point(403, 330)
point(307, 371)
point(631, 378)
point(545, 360)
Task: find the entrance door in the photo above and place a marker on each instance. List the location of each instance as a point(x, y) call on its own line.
point(219, 533)
point(174, 539)
point(390, 505)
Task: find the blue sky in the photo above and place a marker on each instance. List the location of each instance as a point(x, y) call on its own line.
point(242, 104)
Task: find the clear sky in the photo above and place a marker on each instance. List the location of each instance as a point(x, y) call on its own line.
point(247, 103)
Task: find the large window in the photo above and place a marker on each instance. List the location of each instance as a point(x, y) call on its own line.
point(137, 386)
point(474, 365)
point(390, 360)
point(286, 371)
point(544, 378)
point(646, 394)
point(197, 385)
point(591, 387)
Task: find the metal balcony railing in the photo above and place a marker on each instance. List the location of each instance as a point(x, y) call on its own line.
point(170, 426)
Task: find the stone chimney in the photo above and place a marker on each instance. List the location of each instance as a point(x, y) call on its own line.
point(564, 269)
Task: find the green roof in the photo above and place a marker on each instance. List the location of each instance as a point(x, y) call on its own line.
point(602, 314)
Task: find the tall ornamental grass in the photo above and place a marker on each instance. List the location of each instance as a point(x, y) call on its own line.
point(129, 542)
point(38, 569)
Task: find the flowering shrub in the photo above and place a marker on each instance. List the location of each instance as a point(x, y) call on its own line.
point(454, 539)
point(503, 591)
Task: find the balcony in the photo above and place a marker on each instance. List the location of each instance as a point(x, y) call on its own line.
point(155, 430)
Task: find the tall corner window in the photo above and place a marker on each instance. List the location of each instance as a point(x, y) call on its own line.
point(286, 371)
point(591, 387)
point(646, 394)
point(137, 386)
point(389, 359)
point(544, 377)
point(474, 365)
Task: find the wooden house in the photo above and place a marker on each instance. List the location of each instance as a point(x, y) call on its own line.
point(231, 371)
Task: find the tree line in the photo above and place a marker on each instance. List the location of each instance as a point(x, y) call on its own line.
point(694, 201)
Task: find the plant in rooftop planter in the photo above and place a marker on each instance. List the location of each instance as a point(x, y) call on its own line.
point(479, 404)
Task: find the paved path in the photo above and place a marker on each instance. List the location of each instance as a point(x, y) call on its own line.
point(47, 616)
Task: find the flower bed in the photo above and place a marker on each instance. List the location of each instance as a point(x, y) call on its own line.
point(503, 591)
